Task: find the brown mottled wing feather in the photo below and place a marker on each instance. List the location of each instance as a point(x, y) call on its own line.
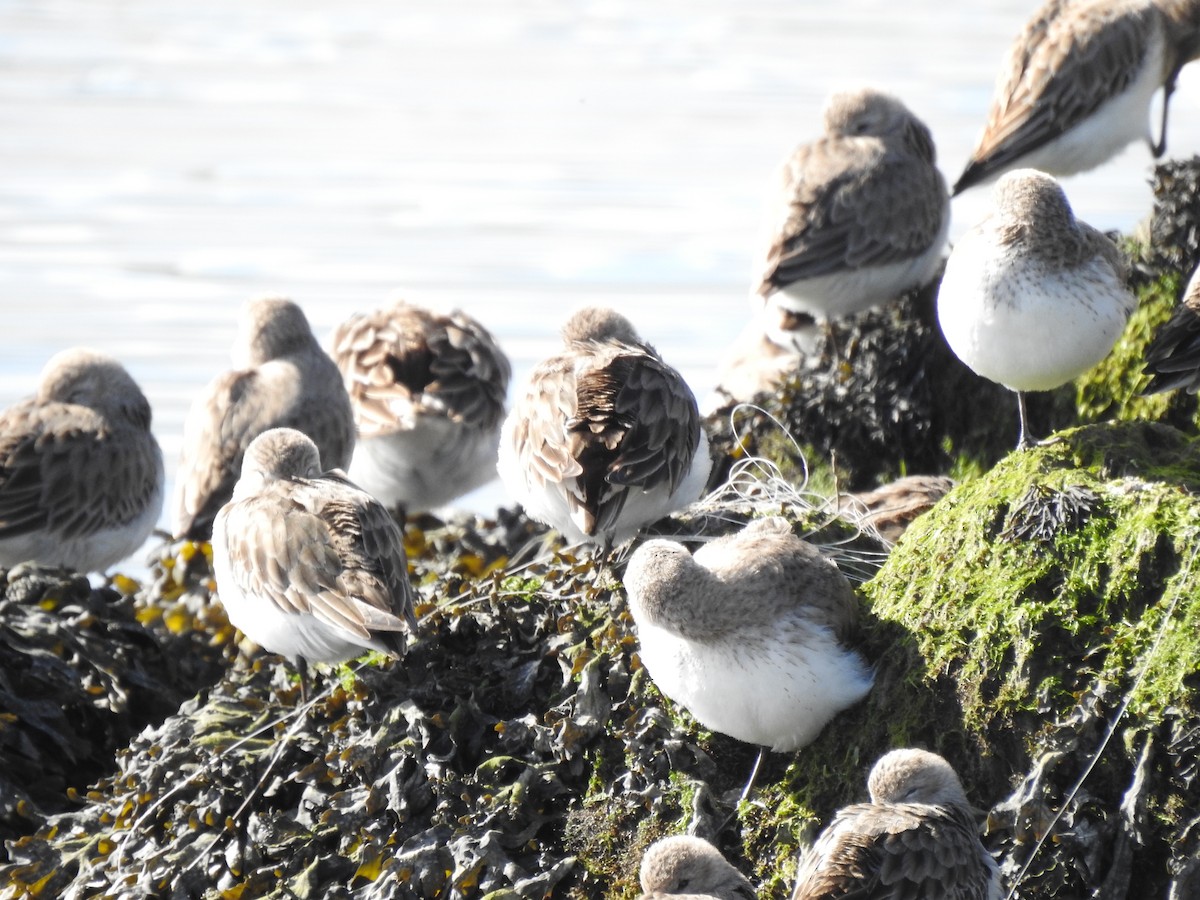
point(334, 553)
point(37, 441)
point(1061, 69)
point(470, 372)
point(881, 207)
point(1173, 357)
point(895, 852)
point(399, 362)
point(636, 426)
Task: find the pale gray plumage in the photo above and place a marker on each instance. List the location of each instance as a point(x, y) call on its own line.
point(307, 564)
point(81, 475)
point(428, 393)
point(862, 212)
point(606, 437)
point(916, 838)
point(748, 633)
point(1077, 84)
point(1031, 297)
point(282, 378)
point(690, 868)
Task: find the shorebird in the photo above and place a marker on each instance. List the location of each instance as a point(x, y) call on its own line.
point(916, 838)
point(1077, 84)
point(686, 866)
point(606, 437)
point(308, 565)
point(1032, 298)
point(760, 358)
point(428, 393)
point(1173, 357)
point(862, 212)
point(888, 510)
point(748, 633)
point(81, 475)
point(281, 378)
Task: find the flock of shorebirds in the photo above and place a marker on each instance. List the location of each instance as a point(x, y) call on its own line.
point(296, 460)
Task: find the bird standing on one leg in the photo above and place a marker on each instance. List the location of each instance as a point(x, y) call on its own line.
point(1031, 297)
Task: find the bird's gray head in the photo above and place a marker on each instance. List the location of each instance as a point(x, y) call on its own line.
point(867, 112)
point(95, 380)
point(599, 323)
point(1033, 199)
point(682, 864)
point(282, 453)
point(657, 565)
point(268, 328)
point(915, 776)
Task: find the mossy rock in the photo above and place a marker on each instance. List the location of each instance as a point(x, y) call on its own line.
point(1052, 598)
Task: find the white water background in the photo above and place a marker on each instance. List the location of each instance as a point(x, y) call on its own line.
point(163, 160)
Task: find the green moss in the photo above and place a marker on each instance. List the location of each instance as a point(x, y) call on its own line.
point(1112, 389)
point(1054, 571)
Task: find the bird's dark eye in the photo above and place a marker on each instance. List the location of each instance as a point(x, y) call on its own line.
point(683, 883)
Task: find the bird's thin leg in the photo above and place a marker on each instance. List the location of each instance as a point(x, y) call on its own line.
point(1161, 147)
point(762, 751)
point(1025, 441)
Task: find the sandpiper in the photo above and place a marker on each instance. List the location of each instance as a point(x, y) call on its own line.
point(81, 475)
point(861, 214)
point(1032, 298)
point(748, 633)
point(606, 437)
point(1077, 84)
point(916, 838)
point(1173, 357)
point(428, 393)
point(889, 509)
point(686, 866)
point(308, 565)
point(281, 378)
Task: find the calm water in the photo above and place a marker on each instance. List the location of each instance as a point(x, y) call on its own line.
point(161, 161)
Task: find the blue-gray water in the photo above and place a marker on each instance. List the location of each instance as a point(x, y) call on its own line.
point(162, 160)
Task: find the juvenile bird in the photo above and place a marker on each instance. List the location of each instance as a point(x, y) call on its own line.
point(916, 838)
point(281, 378)
point(1076, 86)
point(861, 214)
point(606, 437)
point(1031, 297)
point(81, 475)
point(428, 393)
point(308, 565)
